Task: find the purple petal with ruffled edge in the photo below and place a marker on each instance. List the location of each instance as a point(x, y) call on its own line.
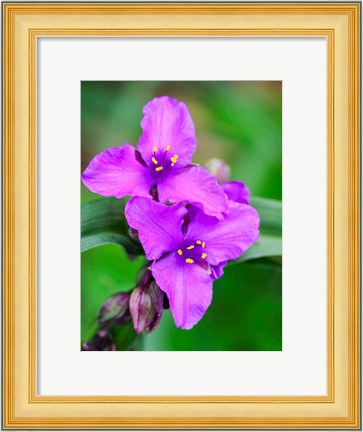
point(227, 239)
point(196, 186)
point(188, 287)
point(236, 191)
point(217, 270)
point(116, 172)
point(159, 226)
point(167, 123)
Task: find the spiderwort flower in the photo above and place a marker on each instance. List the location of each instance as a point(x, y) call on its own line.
point(189, 250)
point(161, 167)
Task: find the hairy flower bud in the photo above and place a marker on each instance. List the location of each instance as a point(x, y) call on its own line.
point(219, 169)
point(115, 311)
point(146, 304)
point(101, 341)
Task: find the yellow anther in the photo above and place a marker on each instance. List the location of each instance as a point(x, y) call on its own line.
point(190, 247)
point(174, 158)
point(203, 245)
point(189, 260)
point(168, 148)
point(204, 255)
point(154, 160)
point(155, 149)
point(180, 252)
point(198, 242)
point(158, 168)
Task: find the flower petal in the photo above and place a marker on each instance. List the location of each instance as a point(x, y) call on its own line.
point(227, 239)
point(116, 172)
point(159, 226)
point(167, 123)
point(218, 270)
point(188, 287)
point(236, 191)
point(196, 186)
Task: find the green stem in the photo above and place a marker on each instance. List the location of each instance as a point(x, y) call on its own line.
point(92, 331)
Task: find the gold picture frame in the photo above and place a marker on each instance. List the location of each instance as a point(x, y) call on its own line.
point(23, 23)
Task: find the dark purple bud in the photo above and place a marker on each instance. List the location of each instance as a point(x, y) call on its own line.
point(146, 304)
point(219, 169)
point(115, 311)
point(101, 341)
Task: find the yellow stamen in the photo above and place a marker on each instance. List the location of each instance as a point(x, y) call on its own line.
point(174, 158)
point(203, 245)
point(168, 148)
point(189, 260)
point(198, 242)
point(204, 255)
point(154, 160)
point(155, 149)
point(180, 252)
point(190, 247)
point(158, 168)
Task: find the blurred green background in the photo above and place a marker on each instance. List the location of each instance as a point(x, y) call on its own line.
point(239, 122)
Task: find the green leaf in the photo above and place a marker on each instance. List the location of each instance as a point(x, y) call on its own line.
point(270, 212)
point(103, 222)
point(267, 246)
point(270, 243)
point(92, 331)
point(272, 263)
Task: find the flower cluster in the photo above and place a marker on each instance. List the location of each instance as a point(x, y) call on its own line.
point(189, 224)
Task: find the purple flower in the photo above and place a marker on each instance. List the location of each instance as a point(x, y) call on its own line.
point(236, 191)
point(161, 167)
point(189, 249)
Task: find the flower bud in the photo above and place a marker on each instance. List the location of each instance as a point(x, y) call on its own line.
point(115, 311)
point(101, 341)
point(219, 169)
point(146, 304)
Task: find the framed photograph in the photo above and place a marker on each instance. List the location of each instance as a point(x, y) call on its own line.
point(181, 215)
point(119, 282)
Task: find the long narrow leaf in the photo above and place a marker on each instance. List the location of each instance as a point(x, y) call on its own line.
point(267, 246)
point(270, 243)
point(103, 222)
point(270, 212)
